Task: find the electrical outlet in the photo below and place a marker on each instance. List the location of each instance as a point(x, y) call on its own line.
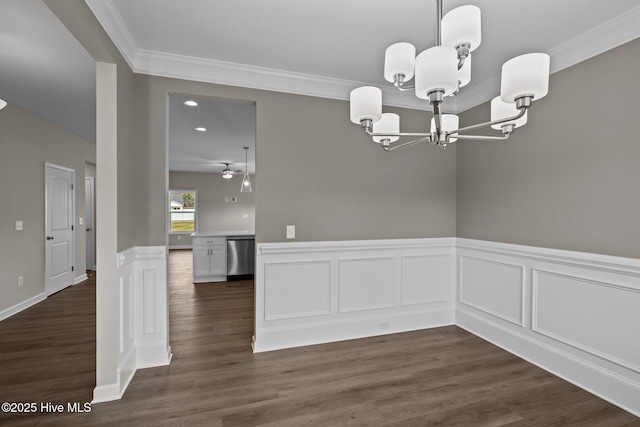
point(20, 281)
point(179, 237)
point(383, 325)
point(19, 226)
point(245, 216)
point(291, 231)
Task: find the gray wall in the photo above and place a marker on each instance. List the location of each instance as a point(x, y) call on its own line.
point(214, 214)
point(569, 179)
point(317, 170)
point(27, 142)
point(81, 22)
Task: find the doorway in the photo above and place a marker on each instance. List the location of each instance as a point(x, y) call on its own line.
point(206, 140)
point(59, 227)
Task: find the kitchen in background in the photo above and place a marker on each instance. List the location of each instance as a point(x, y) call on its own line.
point(208, 163)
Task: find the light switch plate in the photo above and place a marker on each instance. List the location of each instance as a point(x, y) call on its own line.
point(291, 231)
point(19, 226)
point(80, 221)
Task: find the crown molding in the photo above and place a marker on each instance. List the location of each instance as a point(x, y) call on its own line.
point(608, 35)
point(248, 76)
point(108, 16)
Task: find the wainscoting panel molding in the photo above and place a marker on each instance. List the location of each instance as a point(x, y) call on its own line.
point(568, 309)
point(493, 287)
point(297, 289)
point(317, 292)
point(366, 284)
point(143, 328)
point(436, 270)
point(580, 312)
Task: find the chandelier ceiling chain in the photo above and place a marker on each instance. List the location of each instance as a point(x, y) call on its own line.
point(440, 72)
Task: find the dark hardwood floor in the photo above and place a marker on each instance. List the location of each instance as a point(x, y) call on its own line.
point(442, 376)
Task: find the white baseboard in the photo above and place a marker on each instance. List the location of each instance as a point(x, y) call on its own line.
point(8, 312)
point(115, 391)
point(341, 330)
point(152, 356)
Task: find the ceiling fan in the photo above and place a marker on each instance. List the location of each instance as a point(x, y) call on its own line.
point(228, 173)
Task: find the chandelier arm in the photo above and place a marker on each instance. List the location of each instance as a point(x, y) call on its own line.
point(397, 134)
point(398, 81)
point(407, 144)
point(485, 137)
point(522, 112)
point(405, 88)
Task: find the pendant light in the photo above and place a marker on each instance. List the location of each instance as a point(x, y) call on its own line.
point(246, 182)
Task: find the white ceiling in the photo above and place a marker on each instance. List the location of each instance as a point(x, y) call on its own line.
point(43, 68)
point(320, 48)
point(229, 125)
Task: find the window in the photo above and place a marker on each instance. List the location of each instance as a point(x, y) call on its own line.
point(182, 211)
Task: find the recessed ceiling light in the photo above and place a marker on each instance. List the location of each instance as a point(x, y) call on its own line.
point(201, 129)
point(191, 103)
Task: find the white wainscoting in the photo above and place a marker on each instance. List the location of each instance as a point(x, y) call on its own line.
point(143, 323)
point(126, 343)
point(317, 292)
point(574, 314)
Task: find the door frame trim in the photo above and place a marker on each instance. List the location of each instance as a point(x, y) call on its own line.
point(93, 220)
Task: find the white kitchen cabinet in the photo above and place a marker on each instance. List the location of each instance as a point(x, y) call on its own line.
point(209, 259)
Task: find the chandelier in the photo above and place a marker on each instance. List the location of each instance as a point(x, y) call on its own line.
point(440, 72)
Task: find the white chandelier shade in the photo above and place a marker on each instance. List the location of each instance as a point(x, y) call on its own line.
point(436, 69)
point(462, 26)
point(525, 75)
point(366, 104)
point(389, 123)
point(441, 71)
point(3, 104)
point(399, 59)
point(502, 110)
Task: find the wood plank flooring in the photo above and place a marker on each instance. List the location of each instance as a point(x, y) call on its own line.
point(443, 376)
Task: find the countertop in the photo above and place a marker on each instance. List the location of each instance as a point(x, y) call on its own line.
point(223, 233)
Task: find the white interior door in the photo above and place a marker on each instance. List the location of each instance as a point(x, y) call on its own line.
point(89, 217)
point(59, 251)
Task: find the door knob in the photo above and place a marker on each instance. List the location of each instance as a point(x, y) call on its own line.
point(49, 237)
point(88, 229)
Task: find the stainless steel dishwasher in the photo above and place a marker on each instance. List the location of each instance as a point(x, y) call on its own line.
point(240, 257)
